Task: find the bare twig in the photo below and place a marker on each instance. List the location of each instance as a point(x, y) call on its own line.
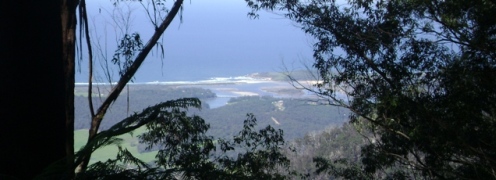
point(84, 21)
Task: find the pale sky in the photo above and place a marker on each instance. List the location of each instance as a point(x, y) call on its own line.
point(216, 38)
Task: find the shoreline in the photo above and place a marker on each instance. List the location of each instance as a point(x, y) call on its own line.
point(212, 81)
point(248, 85)
point(223, 89)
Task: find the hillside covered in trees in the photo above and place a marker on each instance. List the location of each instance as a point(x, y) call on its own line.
point(416, 76)
point(295, 116)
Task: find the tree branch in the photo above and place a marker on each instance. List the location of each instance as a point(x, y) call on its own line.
point(125, 78)
point(84, 25)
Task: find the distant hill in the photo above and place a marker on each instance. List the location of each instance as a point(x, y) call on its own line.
point(301, 75)
point(295, 116)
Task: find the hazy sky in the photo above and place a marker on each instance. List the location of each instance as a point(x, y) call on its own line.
point(216, 38)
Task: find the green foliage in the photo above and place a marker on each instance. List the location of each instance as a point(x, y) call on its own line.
point(295, 116)
point(185, 151)
point(259, 155)
point(140, 97)
point(341, 168)
point(135, 121)
point(420, 74)
point(328, 154)
point(226, 120)
point(125, 53)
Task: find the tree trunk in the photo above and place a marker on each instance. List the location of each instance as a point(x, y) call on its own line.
point(33, 93)
point(68, 22)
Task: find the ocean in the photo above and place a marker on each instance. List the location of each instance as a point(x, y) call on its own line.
point(214, 39)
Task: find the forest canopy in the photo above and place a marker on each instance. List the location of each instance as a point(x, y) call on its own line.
point(418, 74)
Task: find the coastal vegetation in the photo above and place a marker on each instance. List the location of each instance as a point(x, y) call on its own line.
point(414, 81)
point(295, 117)
point(417, 74)
point(137, 98)
point(306, 136)
point(291, 114)
point(185, 150)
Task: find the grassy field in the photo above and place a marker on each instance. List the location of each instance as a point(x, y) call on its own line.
point(110, 152)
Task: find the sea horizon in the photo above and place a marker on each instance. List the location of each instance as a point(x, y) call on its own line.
point(244, 79)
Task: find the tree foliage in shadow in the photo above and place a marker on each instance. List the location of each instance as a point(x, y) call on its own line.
point(419, 74)
point(186, 152)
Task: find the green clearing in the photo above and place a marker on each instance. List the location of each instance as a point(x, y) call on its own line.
point(130, 142)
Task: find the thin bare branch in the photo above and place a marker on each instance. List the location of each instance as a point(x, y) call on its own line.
point(84, 26)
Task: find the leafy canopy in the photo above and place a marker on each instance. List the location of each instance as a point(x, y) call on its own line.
point(185, 151)
point(419, 74)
